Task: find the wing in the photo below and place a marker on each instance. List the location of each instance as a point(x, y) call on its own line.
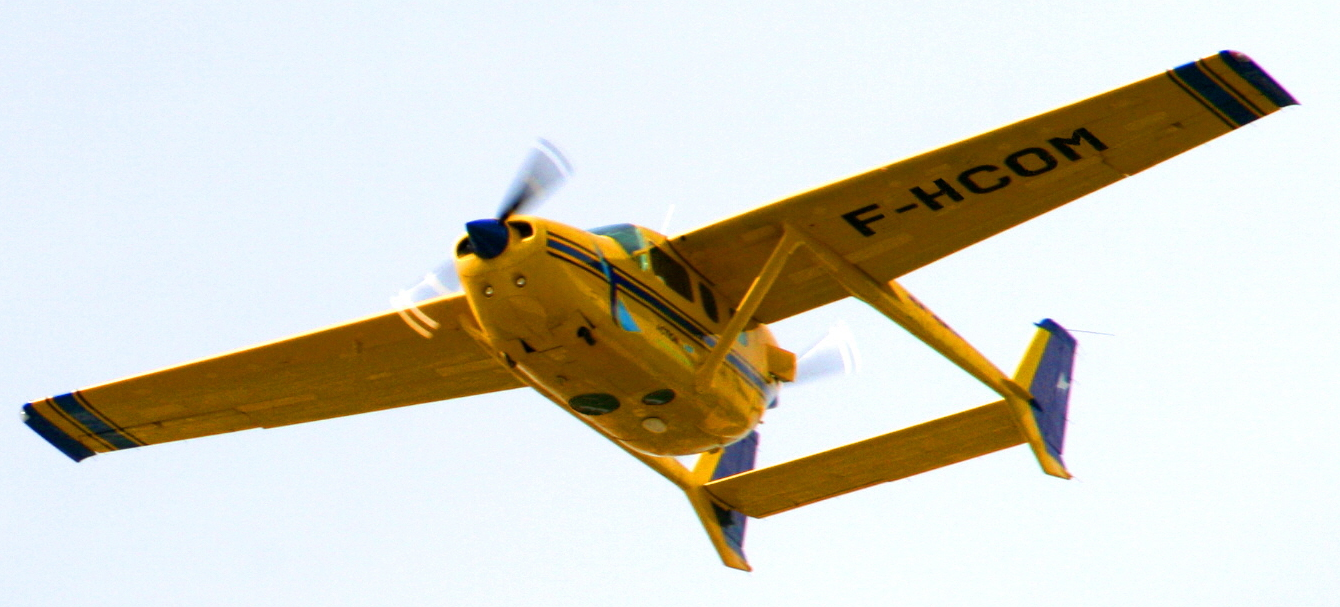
point(370, 364)
point(897, 218)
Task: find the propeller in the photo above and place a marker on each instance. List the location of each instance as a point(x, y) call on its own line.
point(831, 356)
point(442, 280)
point(544, 170)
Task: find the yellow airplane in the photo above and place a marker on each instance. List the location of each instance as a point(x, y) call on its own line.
point(660, 344)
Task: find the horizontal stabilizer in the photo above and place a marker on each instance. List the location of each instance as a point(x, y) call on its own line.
point(890, 457)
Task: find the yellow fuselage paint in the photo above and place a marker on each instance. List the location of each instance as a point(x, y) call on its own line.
point(545, 306)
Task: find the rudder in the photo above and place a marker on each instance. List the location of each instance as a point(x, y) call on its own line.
point(724, 526)
point(1045, 372)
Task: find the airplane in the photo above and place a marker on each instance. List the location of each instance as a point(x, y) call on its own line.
point(661, 344)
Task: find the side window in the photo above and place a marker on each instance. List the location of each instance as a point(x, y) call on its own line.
point(671, 273)
point(709, 301)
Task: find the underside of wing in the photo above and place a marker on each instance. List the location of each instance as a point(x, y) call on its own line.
point(366, 365)
point(897, 218)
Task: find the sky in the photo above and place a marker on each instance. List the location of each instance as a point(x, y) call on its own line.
point(183, 179)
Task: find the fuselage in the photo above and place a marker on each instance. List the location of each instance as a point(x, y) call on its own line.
point(611, 325)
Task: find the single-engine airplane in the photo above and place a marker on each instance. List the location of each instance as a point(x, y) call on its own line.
point(661, 345)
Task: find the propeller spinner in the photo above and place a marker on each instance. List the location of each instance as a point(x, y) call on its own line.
point(544, 170)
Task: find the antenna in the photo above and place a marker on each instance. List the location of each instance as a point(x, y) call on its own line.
point(665, 223)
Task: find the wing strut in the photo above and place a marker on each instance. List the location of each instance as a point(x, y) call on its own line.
point(787, 246)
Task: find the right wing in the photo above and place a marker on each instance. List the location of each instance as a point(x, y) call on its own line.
point(900, 217)
point(366, 365)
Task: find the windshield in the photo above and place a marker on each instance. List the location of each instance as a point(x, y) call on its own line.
point(627, 235)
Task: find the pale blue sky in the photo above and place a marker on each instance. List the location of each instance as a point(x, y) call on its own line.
point(182, 179)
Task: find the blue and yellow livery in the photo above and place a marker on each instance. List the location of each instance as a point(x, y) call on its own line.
point(661, 344)
point(1231, 86)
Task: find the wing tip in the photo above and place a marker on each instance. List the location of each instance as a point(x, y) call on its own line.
point(63, 442)
point(1252, 72)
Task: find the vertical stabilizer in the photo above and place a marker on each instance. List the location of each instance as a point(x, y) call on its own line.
point(725, 527)
point(1045, 372)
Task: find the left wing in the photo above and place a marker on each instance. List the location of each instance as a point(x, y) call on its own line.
point(366, 365)
point(897, 218)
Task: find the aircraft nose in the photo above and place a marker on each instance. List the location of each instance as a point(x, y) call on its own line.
point(488, 237)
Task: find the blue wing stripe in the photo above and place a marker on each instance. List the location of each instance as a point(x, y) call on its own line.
point(1209, 108)
point(1193, 76)
point(75, 408)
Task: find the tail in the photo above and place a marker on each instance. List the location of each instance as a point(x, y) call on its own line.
point(1045, 372)
point(726, 489)
point(725, 526)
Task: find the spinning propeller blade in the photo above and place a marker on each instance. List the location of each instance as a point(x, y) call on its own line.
point(833, 355)
point(544, 170)
point(441, 281)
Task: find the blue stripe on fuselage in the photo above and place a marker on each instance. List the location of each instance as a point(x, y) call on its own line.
point(651, 299)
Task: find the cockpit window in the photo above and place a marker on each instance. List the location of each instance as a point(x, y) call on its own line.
point(627, 235)
point(671, 272)
point(649, 257)
point(709, 302)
